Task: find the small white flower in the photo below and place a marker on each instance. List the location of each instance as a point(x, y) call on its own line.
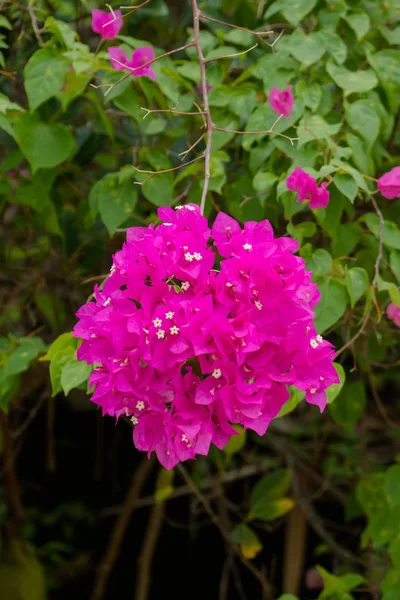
point(189, 257)
point(313, 390)
point(169, 315)
point(167, 224)
point(313, 343)
point(217, 373)
point(197, 256)
point(228, 284)
point(320, 338)
point(140, 405)
point(134, 420)
point(189, 207)
point(93, 336)
point(178, 207)
point(161, 334)
point(174, 330)
point(322, 378)
point(247, 247)
point(258, 304)
point(185, 285)
point(184, 438)
point(157, 322)
point(107, 302)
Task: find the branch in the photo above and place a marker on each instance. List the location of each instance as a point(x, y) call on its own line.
point(148, 549)
point(225, 534)
point(172, 111)
point(119, 529)
point(204, 91)
point(380, 237)
point(357, 335)
point(131, 9)
point(152, 173)
point(210, 60)
point(34, 24)
point(258, 34)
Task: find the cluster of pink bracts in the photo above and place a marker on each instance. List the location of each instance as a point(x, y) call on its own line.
point(186, 349)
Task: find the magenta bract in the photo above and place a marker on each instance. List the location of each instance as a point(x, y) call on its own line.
point(140, 57)
point(307, 189)
point(187, 349)
point(281, 101)
point(389, 184)
point(105, 24)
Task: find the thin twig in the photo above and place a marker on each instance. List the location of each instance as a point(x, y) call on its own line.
point(291, 140)
point(147, 551)
point(152, 173)
point(380, 238)
point(34, 24)
point(357, 335)
point(184, 154)
point(120, 526)
point(225, 534)
point(131, 9)
point(210, 60)
point(204, 91)
point(258, 34)
point(172, 111)
point(378, 401)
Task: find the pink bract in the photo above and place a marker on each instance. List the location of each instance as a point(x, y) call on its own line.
point(389, 184)
point(140, 57)
point(186, 350)
point(307, 189)
point(104, 25)
point(393, 313)
point(281, 101)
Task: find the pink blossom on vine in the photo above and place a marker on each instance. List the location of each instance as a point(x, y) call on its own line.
point(393, 313)
point(307, 189)
point(186, 350)
point(281, 101)
point(140, 56)
point(389, 184)
point(104, 24)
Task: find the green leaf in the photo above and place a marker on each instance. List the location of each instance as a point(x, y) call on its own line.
point(248, 541)
point(164, 485)
point(392, 485)
point(237, 442)
point(346, 185)
point(352, 81)
point(271, 510)
point(395, 263)
point(363, 118)
point(65, 340)
point(264, 182)
point(271, 487)
point(335, 586)
point(311, 94)
point(73, 374)
point(357, 282)
point(359, 22)
point(4, 22)
point(320, 263)
point(307, 49)
point(390, 232)
point(332, 305)
point(61, 31)
point(349, 405)
point(58, 362)
point(295, 10)
point(44, 146)
point(114, 200)
point(6, 104)
point(20, 359)
point(296, 396)
point(394, 551)
point(334, 44)
point(315, 128)
point(44, 75)
point(333, 391)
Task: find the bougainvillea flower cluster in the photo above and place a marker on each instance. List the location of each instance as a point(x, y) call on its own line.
point(107, 25)
point(196, 330)
point(140, 57)
point(389, 184)
point(281, 101)
point(307, 189)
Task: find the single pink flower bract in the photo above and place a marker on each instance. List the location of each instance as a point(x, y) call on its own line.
point(281, 101)
point(393, 313)
point(140, 57)
point(389, 184)
point(307, 189)
point(186, 350)
point(104, 25)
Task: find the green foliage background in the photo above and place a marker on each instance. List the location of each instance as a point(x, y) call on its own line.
point(68, 188)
